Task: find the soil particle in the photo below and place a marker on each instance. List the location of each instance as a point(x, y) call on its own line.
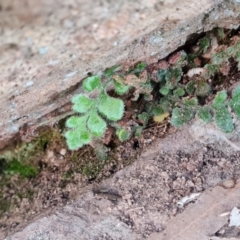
point(143, 197)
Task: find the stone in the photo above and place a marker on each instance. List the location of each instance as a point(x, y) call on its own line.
point(48, 47)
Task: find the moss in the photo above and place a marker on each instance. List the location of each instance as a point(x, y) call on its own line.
point(21, 160)
point(85, 162)
point(16, 167)
point(91, 170)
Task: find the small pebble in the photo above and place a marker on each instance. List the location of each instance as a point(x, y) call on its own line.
point(127, 196)
point(63, 151)
point(68, 23)
point(43, 50)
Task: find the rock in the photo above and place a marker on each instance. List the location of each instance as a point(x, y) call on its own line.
point(66, 41)
point(63, 151)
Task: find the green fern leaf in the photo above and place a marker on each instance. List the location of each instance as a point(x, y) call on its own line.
point(235, 102)
point(109, 72)
point(120, 88)
point(219, 100)
point(179, 92)
point(204, 114)
point(203, 89)
point(85, 136)
point(231, 51)
point(190, 102)
point(204, 44)
point(143, 117)
point(223, 119)
point(190, 87)
point(166, 103)
point(96, 125)
point(91, 83)
point(157, 110)
point(175, 75)
point(122, 134)
point(221, 33)
point(82, 103)
point(190, 60)
point(138, 131)
point(75, 121)
point(148, 97)
point(139, 68)
point(77, 138)
point(180, 116)
point(234, 49)
point(220, 57)
point(162, 75)
point(111, 108)
point(164, 90)
point(73, 140)
point(211, 69)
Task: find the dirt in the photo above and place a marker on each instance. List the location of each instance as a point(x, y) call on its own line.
point(144, 195)
point(154, 186)
point(62, 175)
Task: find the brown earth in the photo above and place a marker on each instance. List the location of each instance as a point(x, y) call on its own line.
point(140, 199)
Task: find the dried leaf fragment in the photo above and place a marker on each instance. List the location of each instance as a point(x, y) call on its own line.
point(195, 71)
point(161, 117)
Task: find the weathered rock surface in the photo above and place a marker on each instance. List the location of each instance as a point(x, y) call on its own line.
point(142, 198)
point(48, 47)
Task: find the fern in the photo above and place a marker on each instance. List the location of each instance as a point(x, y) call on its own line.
point(94, 112)
point(122, 134)
point(219, 100)
point(180, 116)
point(223, 119)
point(235, 102)
point(204, 44)
point(202, 89)
point(204, 114)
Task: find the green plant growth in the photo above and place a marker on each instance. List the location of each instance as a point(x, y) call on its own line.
point(199, 88)
point(139, 80)
point(221, 57)
point(123, 134)
point(16, 167)
point(203, 45)
point(95, 108)
point(21, 160)
point(205, 114)
point(235, 102)
point(218, 110)
point(181, 101)
point(94, 113)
